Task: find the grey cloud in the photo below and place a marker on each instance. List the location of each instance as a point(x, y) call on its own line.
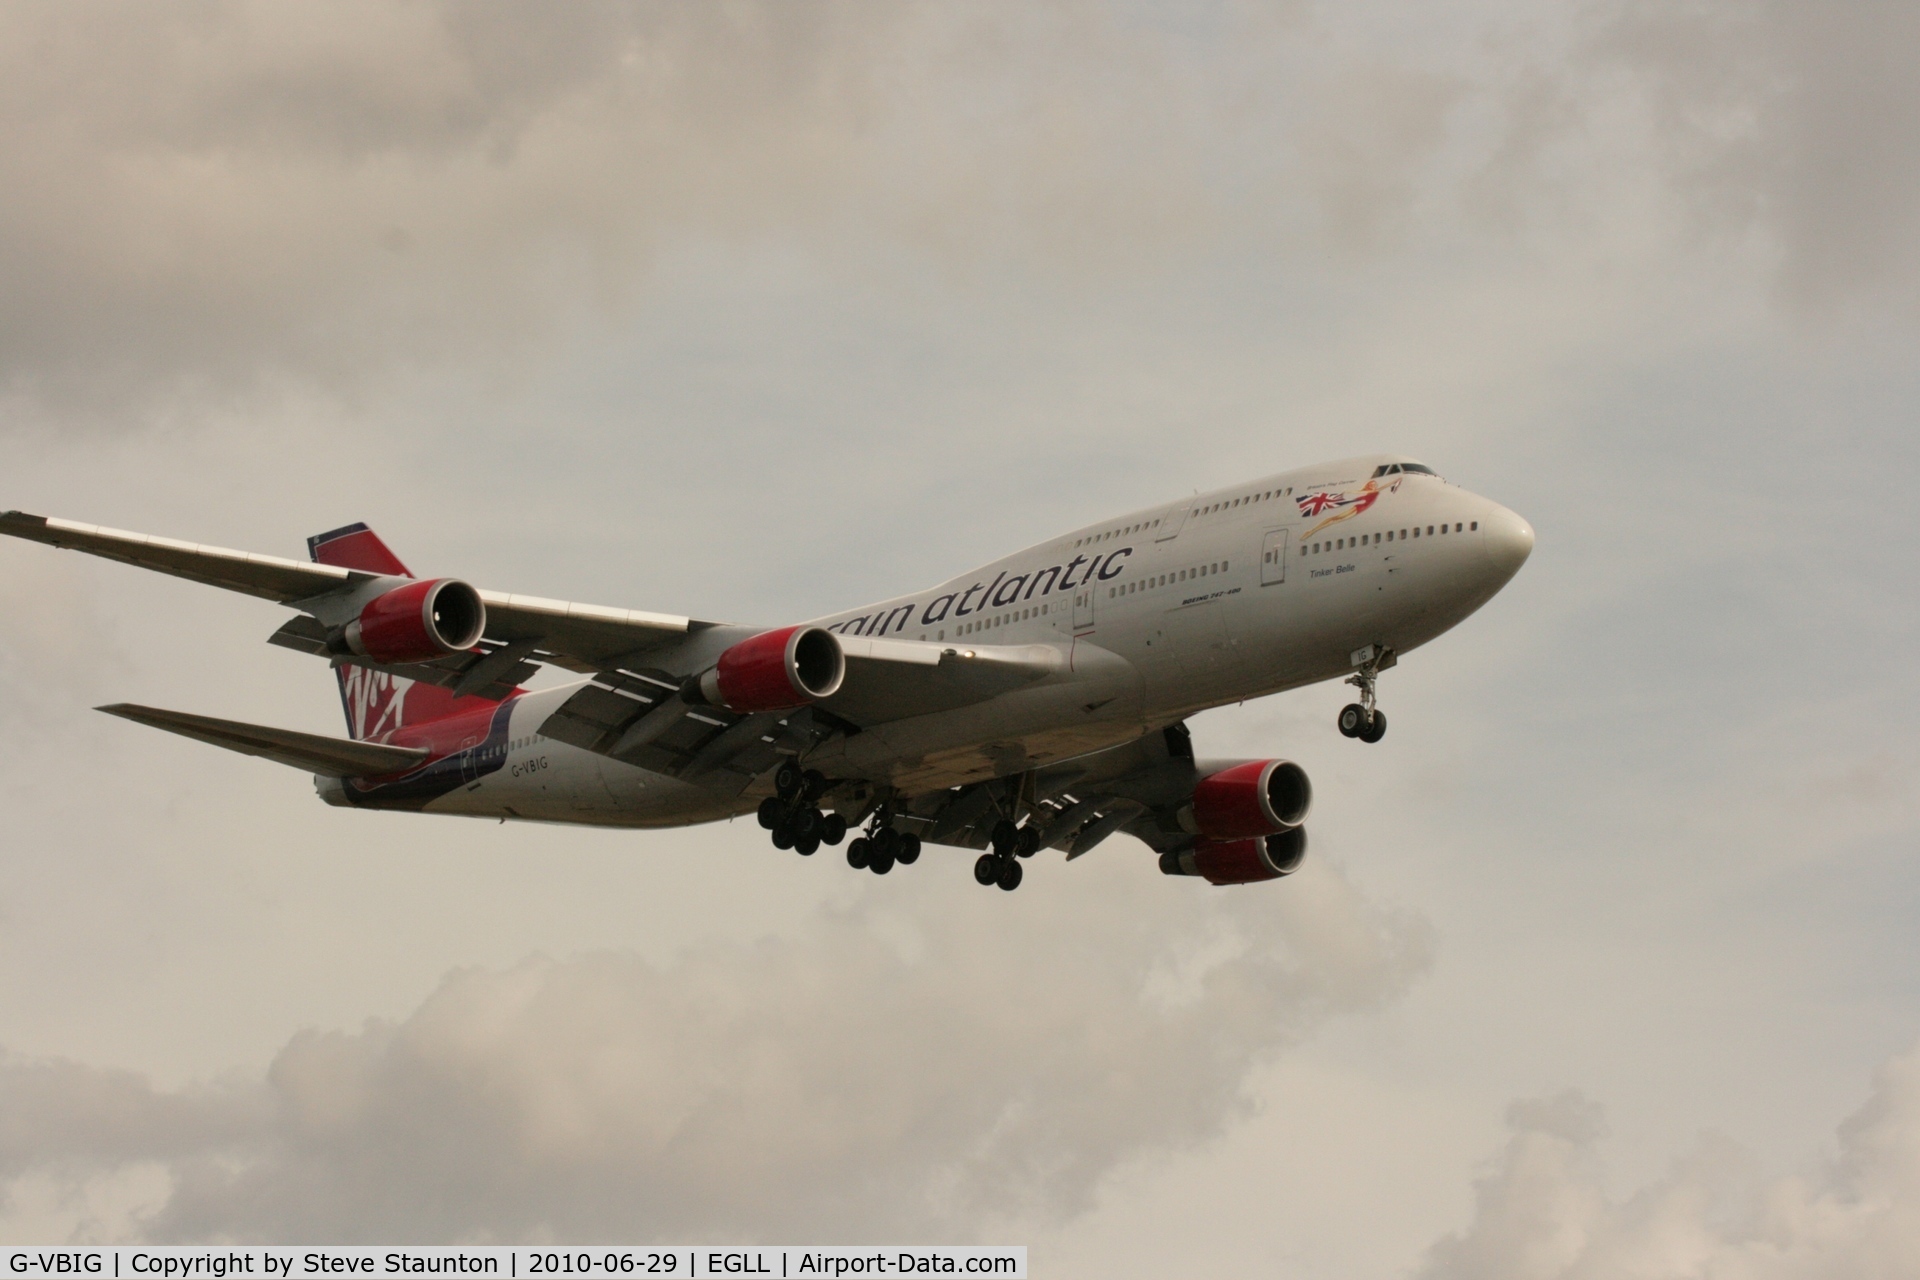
point(924, 1073)
point(1370, 128)
point(210, 198)
point(1542, 1212)
point(1802, 122)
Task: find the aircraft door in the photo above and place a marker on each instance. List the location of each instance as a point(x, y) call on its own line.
point(1273, 558)
point(470, 760)
point(1172, 522)
point(1083, 606)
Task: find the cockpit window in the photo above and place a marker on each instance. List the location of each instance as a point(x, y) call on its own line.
point(1385, 469)
point(1416, 469)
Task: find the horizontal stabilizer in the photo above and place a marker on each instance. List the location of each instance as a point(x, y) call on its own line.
point(313, 752)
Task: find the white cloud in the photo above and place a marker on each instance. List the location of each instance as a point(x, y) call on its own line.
point(911, 1075)
point(1542, 1212)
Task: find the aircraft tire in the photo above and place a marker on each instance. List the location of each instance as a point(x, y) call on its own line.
point(784, 836)
point(1028, 842)
point(833, 829)
point(1005, 836)
point(770, 810)
point(813, 784)
point(1353, 718)
point(986, 869)
point(1009, 875)
point(858, 852)
point(881, 864)
point(807, 846)
point(887, 841)
point(786, 780)
point(1377, 730)
point(909, 850)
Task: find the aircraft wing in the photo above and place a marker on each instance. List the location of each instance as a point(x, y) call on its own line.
point(315, 753)
point(896, 679)
point(580, 637)
point(269, 577)
point(637, 714)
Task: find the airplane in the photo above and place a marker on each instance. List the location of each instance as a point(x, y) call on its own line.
point(1038, 702)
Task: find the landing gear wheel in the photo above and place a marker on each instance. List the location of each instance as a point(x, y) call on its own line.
point(786, 780)
point(784, 837)
point(833, 829)
point(1362, 719)
point(813, 784)
point(806, 822)
point(770, 811)
point(909, 851)
point(880, 863)
point(1008, 875)
point(887, 841)
point(986, 869)
point(858, 852)
point(1028, 842)
point(1005, 836)
point(807, 846)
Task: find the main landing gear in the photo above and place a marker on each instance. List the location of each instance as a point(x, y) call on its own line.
point(1009, 844)
point(882, 846)
point(794, 816)
point(1362, 719)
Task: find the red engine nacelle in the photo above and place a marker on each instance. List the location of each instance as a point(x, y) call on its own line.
point(1240, 861)
point(1257, 798)
point(418, 622)
point(777, 671)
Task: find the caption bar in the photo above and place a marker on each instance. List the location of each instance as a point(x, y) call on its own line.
point(512, 1262)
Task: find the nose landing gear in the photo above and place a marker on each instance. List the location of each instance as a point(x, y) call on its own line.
point(1362, 719)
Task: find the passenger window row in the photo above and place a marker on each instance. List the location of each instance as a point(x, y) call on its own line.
point(1115, 533)
point(1342, 544)
point(1229, 503)
point(997, 620)
point(1176, 576)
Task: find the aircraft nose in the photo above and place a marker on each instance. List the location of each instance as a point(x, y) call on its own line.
point(1506, 540)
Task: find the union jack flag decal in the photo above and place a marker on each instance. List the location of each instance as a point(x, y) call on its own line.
point(1347, 505)
point(1314, 504)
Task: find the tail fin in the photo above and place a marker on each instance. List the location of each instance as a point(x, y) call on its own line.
point(377, 703)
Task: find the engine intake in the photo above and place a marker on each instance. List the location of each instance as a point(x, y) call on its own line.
point(777, 671)
point(1257, 798)
point(1240, 861)
point(418, 622)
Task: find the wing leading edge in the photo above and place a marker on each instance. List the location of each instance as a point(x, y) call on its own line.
point(579, 637)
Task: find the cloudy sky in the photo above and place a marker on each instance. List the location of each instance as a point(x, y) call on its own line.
point(1603, 963)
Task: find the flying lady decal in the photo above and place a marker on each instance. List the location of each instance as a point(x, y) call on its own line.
point(1344, 505)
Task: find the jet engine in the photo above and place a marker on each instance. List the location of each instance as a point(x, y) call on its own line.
point(1240, 861)
point(776, 671)
point(1256, 798)
point(417, 622)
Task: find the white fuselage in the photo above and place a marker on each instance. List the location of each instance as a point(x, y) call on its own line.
point(1159, 613)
